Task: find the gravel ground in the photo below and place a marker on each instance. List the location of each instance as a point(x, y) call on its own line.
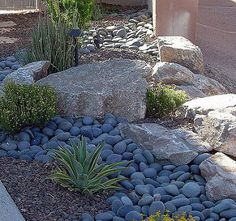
point(107, 54)
point(40, 199)
point(22, 31)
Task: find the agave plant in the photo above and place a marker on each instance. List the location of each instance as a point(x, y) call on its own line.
point(79, 170)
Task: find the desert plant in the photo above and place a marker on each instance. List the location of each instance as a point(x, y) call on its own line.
point(50, 41)
point(164, 99)
point(26, 105)
point(166, 217)
point(79, 170)
point(69, 9)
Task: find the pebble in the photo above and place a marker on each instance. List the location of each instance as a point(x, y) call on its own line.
point(155, 207)
point(133, 215)
point(124, 210)
point(191, 189)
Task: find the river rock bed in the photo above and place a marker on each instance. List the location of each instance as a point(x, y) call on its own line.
point(150, 186)
point(136, 35)
point(7, 66)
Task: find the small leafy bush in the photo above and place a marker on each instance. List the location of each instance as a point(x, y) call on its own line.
point(79, 170)
point(167, 217)
point(26, 105)
point(51, 41)
point(163, 99)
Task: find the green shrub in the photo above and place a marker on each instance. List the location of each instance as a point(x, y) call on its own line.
point(26, 105)
point(50, 41)
point(82, 10)
point(162, 100)
point(167, 217)
point(79, 170)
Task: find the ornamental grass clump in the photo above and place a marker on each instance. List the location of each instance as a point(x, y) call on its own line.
point(163, 100)
point(80, 170)
point(166, 217)
point(51, 41)
point(26, 105)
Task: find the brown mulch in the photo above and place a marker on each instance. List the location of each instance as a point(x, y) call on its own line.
point(22, 31)
point(40, 199)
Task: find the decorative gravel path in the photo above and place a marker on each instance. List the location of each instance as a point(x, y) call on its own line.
point(151, 186)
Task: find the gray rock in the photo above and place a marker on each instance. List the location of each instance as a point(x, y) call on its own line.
point(191, 189)
point(121, 33)
point(179, 50)
point(91, 47)
point(214, 120)
point(193, 140)
point(220, 171)
point(155, 207)
point(106, 216)
point(81, 89)
point(86, 217)
point(202, 106)
point(133, 215)
point(8, 209)
point(30, 73)
point(145, 200)
point(172, 73)
point(125, 210)
point(8, 146)
point(172, 189)
point(164, 144)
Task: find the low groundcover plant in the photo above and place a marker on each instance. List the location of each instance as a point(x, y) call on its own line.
point(80, 170)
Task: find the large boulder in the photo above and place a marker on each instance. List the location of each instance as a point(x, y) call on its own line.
point(193, 140)
point(29, 74)
point(180, 50)
point(208, 85)
point(219, 129)
point(204, 105)
point(215, 121)
point(220, 172)
point(116, 86)
point(172, 73)
point(195, 85)
point(179, 147)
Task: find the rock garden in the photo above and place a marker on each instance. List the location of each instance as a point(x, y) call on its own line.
point(136, 131)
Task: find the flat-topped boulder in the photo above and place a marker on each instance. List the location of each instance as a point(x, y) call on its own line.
point(116, 86)
point(220, 172)
point(180, 50)
point(204, 105)
point(179, 147)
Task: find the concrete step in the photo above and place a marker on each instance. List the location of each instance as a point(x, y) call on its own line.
point(223, 18)
point(8, 209)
